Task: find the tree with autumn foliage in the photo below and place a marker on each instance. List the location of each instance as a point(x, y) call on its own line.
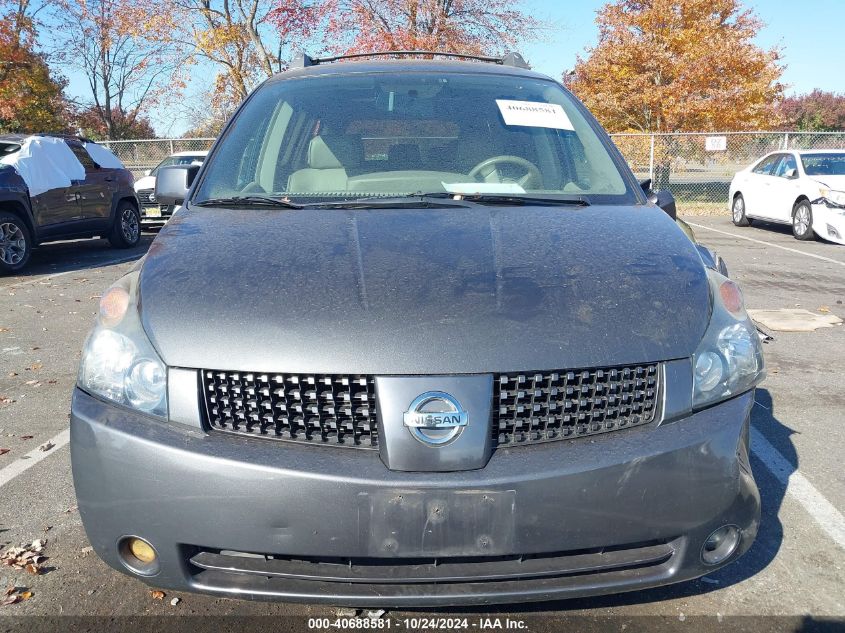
point(115, 46)
point(679, 65)
point(31, 96)
point(481, 27)
point(816, 111)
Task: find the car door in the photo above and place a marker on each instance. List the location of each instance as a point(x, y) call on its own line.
point(757, 190)
point(95, 193)
point(57, 205)
point(784, 189)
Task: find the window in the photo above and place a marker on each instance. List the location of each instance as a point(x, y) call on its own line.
point(177, 160)
point(350, 136)
point(824, 164)
point(785, 165)
point(82, 155)
point(766, 165)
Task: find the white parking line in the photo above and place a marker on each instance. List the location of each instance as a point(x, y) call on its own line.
point(830, 520)
point(22, 464)
point(783, 248)
point(37, 279)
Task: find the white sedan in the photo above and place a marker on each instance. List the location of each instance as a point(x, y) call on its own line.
point(803, 188)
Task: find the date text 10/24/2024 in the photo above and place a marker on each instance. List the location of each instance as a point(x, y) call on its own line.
point(419, 624)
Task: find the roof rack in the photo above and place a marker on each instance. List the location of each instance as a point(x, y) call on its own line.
point(510, 59)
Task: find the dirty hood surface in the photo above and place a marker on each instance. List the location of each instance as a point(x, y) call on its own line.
point(428, 291)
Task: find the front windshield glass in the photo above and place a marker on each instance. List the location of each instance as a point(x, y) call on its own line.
point(353, 136)
point(177, 160)
point(824, 164)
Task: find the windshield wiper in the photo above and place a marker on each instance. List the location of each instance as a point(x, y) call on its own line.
point(507, 198)
point(249, 201)
point(412, 201)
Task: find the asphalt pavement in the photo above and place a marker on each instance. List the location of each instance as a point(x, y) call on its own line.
point(796, 568)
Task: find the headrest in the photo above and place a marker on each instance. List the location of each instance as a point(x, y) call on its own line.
point(334, 152)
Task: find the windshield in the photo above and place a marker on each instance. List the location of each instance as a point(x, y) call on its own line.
point(356, 136)
point(177, 160)
point(824, 164)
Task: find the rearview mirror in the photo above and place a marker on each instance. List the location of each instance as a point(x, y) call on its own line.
point(173, 183)
point(663, 199)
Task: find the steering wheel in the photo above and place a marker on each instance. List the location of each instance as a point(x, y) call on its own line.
point(489, 171)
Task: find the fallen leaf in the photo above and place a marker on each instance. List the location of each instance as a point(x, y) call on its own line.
point(12, 374)
point(4, 329)
point(3, 451)
point(824, 309)
point(33, 569)
point(10, 599)
point(26, 595)
point(35, 366)
point(157, 594)
point(33, 383)
point(174, 602)
point(26, 437)
point(46, 446)
point(6, 400)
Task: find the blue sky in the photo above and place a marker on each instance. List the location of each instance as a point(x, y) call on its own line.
point(807, 30)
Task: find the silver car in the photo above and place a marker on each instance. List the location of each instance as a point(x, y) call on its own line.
point(417, 337)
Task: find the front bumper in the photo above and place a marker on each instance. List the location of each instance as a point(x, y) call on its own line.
point(619, 512)
point(829, 223)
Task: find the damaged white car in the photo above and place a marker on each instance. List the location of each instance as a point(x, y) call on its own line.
point(805, 189)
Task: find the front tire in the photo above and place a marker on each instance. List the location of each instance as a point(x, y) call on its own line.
point(15, 243)
point(802, 221)
point(126, 231)
point(738, 211)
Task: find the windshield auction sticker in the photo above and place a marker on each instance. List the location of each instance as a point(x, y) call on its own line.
point(534, 114)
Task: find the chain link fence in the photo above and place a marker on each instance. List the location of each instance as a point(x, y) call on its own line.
point(696, 167)
point(140, 155)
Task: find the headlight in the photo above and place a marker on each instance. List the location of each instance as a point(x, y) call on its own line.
point(836, 197)
point(729, 359)
point(118, 362)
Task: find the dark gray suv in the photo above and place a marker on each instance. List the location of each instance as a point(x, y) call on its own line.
point(417, 337)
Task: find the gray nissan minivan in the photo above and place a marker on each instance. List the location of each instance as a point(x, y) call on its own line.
point(416, 337)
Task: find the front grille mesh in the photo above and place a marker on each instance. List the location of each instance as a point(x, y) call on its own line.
point(340, 410)
point(326, 409)
point(144, 196)
point(548, 406)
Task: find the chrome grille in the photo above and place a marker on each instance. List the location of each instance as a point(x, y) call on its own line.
point(144, 197)
point(325, 409)
point(547, 406)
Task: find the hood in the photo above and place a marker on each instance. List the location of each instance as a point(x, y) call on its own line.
point(429, 291)
point(836, 183)
point(146, 182)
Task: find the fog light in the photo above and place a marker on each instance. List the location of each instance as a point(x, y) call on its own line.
point(142, 550)
point(720, 545)
point(138, 556)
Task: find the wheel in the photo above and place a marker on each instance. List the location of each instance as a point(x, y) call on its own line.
point(738, 211)
point(126, 231)
point(802, 221)
point(15, 243)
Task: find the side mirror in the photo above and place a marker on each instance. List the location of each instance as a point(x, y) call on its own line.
point(147, 172)
point(173, 183)
point(791, 173)
point(663, 199)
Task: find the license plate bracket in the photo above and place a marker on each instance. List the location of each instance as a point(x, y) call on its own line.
point(437, 523)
